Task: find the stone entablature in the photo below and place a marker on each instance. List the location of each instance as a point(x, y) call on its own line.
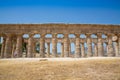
point(13, 40)
point(58, 28)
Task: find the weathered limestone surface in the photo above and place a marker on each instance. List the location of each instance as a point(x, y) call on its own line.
point(48, 49)
point(18, 50)
point(42, 47)
point(100, 45)
point(13, 40)
point(119, 45)
point(77, 50)
point(89, 44)
point(110, 46)
point(82, 50)
point(3, 47)
point(30, 47)
point(66, 46)
point(62, 50)
point(54, 45)
point(8, 47)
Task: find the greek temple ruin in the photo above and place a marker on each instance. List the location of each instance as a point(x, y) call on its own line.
point(91, 40)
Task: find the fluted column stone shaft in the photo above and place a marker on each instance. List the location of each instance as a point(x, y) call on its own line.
point(82, 50)
point(18, 49)
point(69, 49)
point(13, 49)
point(34, 49)
point(8, 47)
point(62, 50)
point(66, 45)
point(100, 45)
point(30, 46)
point(54, 45)
point(89, 44)
point(42, 47)
point(48, 49)
point(110, 46)
point(95, 50)
point(119, 45)
point(116, 49)
point(77, 49)
point(3, 47)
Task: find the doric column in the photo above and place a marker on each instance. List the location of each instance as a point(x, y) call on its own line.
point(116, 49)
point(30, 46)
point(107, 48)
point(13, 47)
point(8, 46)
point(48, 49)
point(66, 45)
point(82, 50)
point(119, 44)
point(26, 53)
point(42, 46)
point(62, 50)
point(95, 50)
point(34, 49)
point(3, 47)
point(89, 45)
point(77, 49)
point(54, 45)
point(100, 44)
point(110, 46)
point(69, 49)
point(18, 49)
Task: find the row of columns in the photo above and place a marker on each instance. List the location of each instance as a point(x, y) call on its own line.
point(11, 49)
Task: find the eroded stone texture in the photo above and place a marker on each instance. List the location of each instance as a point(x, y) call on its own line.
point(62, 50)
point(54, 45)
point(110, 46)
point(96, 50)
point(82, 50)
point(77, 49)
point(3, 47)
point(119, 45)
point(89, 45)
point(48, 49)
point(13, 40)
point(18, 50)
point(13, 49)
point(100, 44)
point(8, 47)
point(66, 46)
point(30, 46)
point(42, 47)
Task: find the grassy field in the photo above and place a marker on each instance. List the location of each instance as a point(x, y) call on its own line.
point(87, 69)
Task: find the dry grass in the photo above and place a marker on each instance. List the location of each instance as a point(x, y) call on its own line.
point(100, 69)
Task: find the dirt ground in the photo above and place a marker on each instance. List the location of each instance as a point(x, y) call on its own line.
point(86, 69)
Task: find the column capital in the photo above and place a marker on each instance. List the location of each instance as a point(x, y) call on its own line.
point(77, 35)
point(110, 35)
point(31, 35)
point(19, 34)
point(54, 35)
point(88, 35)
point(8, 35)
point(99, 35)
point(42, 35)
point(118, 35)
point(48, 43)
point(82, 43)
point(66, 35)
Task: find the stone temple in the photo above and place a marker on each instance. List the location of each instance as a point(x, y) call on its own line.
point(88, 46)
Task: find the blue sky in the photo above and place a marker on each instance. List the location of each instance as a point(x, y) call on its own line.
point(60, 11)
